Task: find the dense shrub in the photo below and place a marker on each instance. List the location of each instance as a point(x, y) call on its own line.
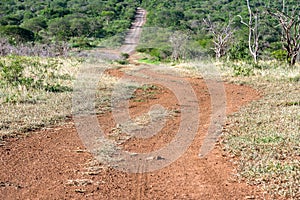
point(280, 55)
point(158, 54)
point(16, 34)
point(63, 20)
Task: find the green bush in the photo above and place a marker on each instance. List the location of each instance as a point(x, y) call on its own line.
point(33, 73)
point(239, 51)
point(12, 73)
point(242, 70)
point(60, 28)
point(82, 43)
point(16, 33)
point(35, 24)
point(123, 62)
point(57, 88)
point(280, 55)
point(125, 55)
point(158, 54)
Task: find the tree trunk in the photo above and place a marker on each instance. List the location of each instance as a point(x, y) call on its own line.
point(293, 59)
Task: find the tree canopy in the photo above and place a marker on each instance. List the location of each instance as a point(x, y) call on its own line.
point(64, 19)
point(188, 15)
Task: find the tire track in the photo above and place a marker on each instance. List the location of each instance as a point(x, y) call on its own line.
point(133, 36)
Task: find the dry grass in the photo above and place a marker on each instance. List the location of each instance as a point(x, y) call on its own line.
point(264, 137)
point(25, 108)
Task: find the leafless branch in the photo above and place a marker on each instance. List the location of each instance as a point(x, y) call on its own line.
point(222, 34)
point(290, 25)
point(253, 33)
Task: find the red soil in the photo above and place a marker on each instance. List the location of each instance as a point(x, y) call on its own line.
point(43, 164)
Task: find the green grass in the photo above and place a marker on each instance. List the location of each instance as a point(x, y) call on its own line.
point(149, 61)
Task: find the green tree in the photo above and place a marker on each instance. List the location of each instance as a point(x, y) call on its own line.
point(35, 24)
point(16, 33)
point(79, 27)
point(60, 28)
point(108, 15)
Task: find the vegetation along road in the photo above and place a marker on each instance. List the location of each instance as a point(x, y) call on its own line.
point(149, 100)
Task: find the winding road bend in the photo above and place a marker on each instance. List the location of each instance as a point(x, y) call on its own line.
point(53, 163)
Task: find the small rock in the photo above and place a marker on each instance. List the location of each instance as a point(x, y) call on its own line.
point(80, 191)
point(160, 158)
point(150, 158)
point(133, 154)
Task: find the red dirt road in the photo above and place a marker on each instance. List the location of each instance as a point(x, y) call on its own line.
point(54, 164)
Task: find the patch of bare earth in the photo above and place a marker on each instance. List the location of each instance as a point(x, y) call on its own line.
point(53, 163)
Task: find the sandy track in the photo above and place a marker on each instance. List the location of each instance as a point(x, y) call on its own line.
point(54, 164)
point(133, 35)
point(47, 164)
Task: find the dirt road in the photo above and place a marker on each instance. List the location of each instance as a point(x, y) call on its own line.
point(54, 164)
point(133, 35)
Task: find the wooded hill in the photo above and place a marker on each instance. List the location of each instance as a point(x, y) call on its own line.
point(219, 28)
point(209, 22)
point(65, 19)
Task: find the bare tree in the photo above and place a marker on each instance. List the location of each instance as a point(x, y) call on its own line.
point(179, 42)
point(222, 34)
point(290, 25)
point(253, 34)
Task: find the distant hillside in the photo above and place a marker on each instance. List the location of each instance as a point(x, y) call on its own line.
point(188, 16)
point(65, 19)
point(88, 22)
